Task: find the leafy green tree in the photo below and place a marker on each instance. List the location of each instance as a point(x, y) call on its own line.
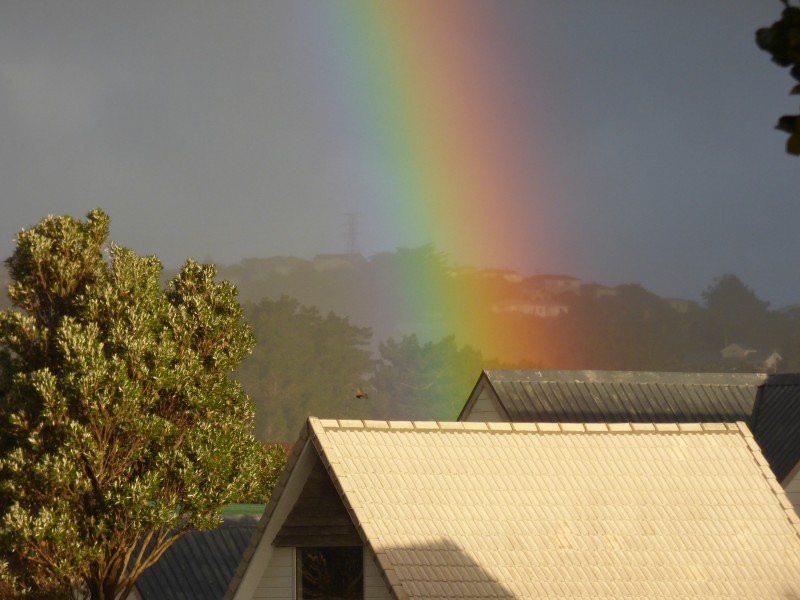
point(120, 428)
point(303, 364)
point(782, 41)
point(272, 465)
point(633, 329)
point(735, 313)
point(425, 381)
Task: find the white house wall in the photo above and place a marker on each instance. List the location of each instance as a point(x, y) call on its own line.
point(278, 581)
point(374, 586)
point(484, 409)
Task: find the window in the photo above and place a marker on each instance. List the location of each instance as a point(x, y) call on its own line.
point(335, 573)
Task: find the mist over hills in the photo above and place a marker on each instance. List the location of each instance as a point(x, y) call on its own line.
point(548, 320)
point(557, 321)
point(335, 339)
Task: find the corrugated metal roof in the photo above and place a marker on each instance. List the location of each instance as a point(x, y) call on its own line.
point(776, 422)
point(770, 405)
point(200, 565)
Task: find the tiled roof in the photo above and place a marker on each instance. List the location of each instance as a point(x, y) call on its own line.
point(200, 565)
point(524, 510)
point(769, 404)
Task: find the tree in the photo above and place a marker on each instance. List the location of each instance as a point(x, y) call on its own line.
point(120, 429)
point(730, 297)
point(425, 381)
point(735, 313)
point(782, 41)
point(631, 329)
point(312, 365)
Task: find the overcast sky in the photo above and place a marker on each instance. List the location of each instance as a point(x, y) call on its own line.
point(192, 124)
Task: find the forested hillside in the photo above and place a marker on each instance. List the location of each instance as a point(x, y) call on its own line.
point(331, 342)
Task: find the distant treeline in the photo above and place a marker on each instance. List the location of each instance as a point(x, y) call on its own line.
point(328, 346)
point(331, 343)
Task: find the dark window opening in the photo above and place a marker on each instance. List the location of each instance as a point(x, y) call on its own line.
point(335, 573)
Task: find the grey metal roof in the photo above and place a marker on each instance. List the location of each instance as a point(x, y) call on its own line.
point(201, 564)
point(770, 405)
point(776, 422)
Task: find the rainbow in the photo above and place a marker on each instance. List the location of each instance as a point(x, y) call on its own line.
point(438, 113)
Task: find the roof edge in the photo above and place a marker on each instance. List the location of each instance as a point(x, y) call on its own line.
point(640, 377)
point(483, 381)
point(241, 572)
point(321, 426)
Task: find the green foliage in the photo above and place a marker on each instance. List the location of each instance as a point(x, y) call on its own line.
point(736, 314)
point(629, 329)
point(303, 364)
point(121, 429)
point(272, 464)
point(730, 296)
point(626, 327)
point(425, 381)
point(782, 41)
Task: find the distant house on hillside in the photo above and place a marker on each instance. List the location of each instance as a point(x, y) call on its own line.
point(407, 510)
point(334, 262)
point(554, 284)
point(680, 305)
point(736, 351)
point(275, 265)
point(463, 271)
point(541, 306)
point(741, 355)
point(764, 360)
point(769, 404)
point(595, 290)
point(502, 274)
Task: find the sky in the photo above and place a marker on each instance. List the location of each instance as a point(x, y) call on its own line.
point(623, 141)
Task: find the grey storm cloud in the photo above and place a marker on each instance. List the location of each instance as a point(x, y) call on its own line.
point(201, 128)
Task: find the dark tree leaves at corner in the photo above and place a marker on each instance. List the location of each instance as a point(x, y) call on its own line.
point(782, 41)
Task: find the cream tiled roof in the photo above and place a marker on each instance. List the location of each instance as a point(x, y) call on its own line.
point(525, 510)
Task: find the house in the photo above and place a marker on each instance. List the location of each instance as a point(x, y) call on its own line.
point(680, 305)
point(764, 360)
point(508, 275)
point(595, 290)
point(541, 306)
point(736, 351)
point(336, 262)
point(742, 357)
point(408, 510)
point(769, 404)
point(554, 284)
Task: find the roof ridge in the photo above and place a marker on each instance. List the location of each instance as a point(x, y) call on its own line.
point(774, 485)
point(319, 426)
point(672, 378)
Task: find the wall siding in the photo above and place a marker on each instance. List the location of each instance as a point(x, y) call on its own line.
point(318, 517)
point(374, 586)
point(277, 583)
point(484, 409)
point(793, 491)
